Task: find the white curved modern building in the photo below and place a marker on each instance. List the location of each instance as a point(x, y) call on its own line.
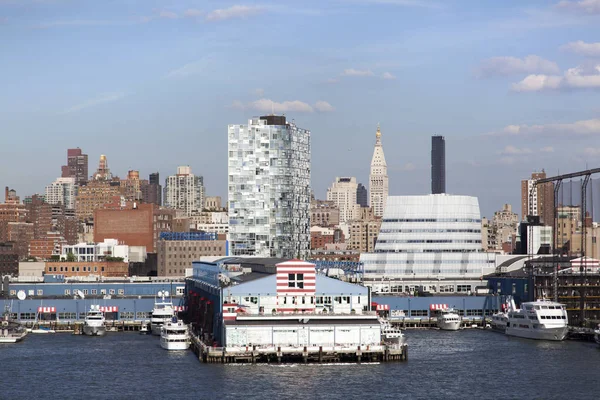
point(431, 243)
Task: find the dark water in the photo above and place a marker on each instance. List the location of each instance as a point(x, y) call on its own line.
point(442, 365)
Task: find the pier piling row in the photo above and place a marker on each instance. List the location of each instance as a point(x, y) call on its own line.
point(306, 354)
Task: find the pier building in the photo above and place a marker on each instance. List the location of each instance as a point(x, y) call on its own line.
point(428, 243)
point(277, 303)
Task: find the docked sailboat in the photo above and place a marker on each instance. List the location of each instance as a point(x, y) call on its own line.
point(162, 313)
point(174, 335)
point(541, 319)
point(94, 324)
point(448, 320)
point(11, 331)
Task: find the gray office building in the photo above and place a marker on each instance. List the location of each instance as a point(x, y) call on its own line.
point(438, 165)
point(362, 197)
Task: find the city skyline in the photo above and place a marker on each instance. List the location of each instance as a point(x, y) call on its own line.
point(516, 92)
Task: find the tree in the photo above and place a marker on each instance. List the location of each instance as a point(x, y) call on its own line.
point(71, 257)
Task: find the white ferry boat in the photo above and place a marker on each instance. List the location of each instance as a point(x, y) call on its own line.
point(541, 319)
point(11, 331)
point(174, 335)
point(448, 320)
point(94, 324)
point(162, 313)
point(499, 321)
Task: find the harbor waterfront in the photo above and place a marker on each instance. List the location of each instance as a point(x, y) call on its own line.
point(123, 365)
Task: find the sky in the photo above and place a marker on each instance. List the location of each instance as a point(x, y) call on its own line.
point(513, 85)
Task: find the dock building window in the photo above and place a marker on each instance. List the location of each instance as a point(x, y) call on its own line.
point(418, 313)
point(296, 281)
point(27, 316)
point(121, 291)
point(67, 292)
point(94, 291)
point(111, 291)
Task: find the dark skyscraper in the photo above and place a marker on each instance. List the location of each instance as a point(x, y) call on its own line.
point(77, 166)
point(438, 164)
point(152, 191)
point(362, 197)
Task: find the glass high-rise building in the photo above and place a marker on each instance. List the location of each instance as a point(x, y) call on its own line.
point(269, 188)
point(438, 165)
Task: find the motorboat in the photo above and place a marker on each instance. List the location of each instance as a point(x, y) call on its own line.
point(541, 319)
point(11, 331)
point(499, 321)
point(94, 323)
point(448, 320)
point(144, 329)
point(41, 329)
point(174, 335)
point(391, 335)
point(162, 312)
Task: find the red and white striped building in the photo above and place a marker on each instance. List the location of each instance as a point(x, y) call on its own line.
point(296, 285)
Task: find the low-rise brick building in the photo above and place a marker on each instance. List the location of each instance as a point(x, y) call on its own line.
point(177, 250)
point(9, 260)
point(98, 268)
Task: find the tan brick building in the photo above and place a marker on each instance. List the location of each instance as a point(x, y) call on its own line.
point(538, 199)
point(364, 231)
point(94, 196)
point(99, 268)
point(324, 213)
point(174, 256)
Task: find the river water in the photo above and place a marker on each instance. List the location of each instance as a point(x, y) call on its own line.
point(442, 365)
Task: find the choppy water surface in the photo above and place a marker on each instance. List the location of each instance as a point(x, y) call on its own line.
point(465, 364)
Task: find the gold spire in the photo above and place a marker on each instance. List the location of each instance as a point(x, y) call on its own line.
point(378, 134)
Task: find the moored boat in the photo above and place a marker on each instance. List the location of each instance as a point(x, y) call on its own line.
point(391, 335)
point(162, 313)
point(541, 320)
point(448, 320)
point(174, 335)
point(597, 335)
point(94, 324)
point(11, 331)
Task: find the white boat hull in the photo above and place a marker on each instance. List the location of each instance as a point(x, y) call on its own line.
point(448, 325)
point(156, 328)
point(94, 330)
point(597, 337)
point(555, 334)
point(11, 339)
point(174, 345)
point(43, 331)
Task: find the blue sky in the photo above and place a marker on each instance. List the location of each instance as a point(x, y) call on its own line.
point(512, 85)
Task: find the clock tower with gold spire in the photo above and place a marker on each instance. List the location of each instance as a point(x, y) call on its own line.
point(378, 180)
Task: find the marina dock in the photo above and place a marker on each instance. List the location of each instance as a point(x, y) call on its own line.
point(76, 327)
point(305, 354)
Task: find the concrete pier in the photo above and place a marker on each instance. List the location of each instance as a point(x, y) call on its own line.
point(298, 355)
point(76, 327)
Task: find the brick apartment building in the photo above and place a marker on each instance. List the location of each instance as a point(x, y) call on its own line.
point(9, 260)
point(109, 269)
point(176, 250)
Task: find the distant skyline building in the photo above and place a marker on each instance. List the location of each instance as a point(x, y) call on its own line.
point(343, 194)
point(77, 166)
point(431, 243)
point(269, 188)
point(438, 164)
point(62, 191)
point(152, 191)
point(362, 195)
point(537, 200)
point(378, 179)
point(103, 172)
point(184, 191)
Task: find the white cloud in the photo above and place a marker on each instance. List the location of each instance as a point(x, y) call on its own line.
point(592, 151)
point(512, 150)
point(583, 48)
point(504, 66)
point(574, 78)
point(387, 75)
point(402, 3)
point(267, 105)
point(357, 72)
point(408, 167)
point(259, 92)
point(323, 106)
point(167, 14)
point(192, 13)
point(104, 98)
point(189, 69)
point(582, 6)
point(234, 12)
point(579, 128)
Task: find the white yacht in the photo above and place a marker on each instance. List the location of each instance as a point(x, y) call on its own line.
point(174, 335)
point(541, 319)
point(162, 313)
point(448, 320)
point(11, 331)
point(499, 321)
point(390, 335)
point(94, 324)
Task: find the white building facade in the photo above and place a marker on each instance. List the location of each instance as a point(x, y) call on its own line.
point(184, 191)
point(343, 193)
point(62, 191)
point(269, 188)
point(430, 243)
point(93, 252)
point(378, 180)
